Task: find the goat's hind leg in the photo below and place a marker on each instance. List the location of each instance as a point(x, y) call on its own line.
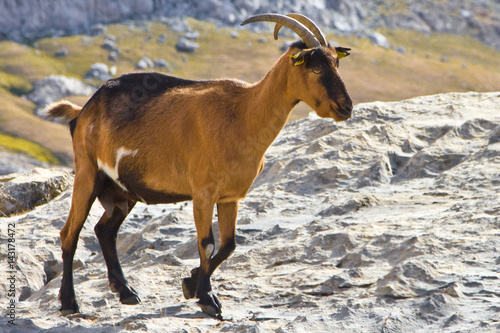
point(84, 193)
point(106, 230)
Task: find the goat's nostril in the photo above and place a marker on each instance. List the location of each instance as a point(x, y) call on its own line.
point(346, 109)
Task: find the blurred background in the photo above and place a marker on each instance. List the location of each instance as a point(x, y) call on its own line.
point(51, 50)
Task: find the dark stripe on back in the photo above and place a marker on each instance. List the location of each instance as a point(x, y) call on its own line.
point(125, 97)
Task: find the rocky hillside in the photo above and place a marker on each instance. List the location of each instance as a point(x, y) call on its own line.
point(388, 222)
point(27, 20)
point(387, 63)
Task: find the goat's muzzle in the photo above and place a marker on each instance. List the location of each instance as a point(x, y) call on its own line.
point(342, 111)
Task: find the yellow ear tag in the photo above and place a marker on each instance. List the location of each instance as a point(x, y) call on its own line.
point(341, 54)
point(298, 62)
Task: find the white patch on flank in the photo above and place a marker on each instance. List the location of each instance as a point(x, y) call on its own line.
point(113, 172)
point(209, 250)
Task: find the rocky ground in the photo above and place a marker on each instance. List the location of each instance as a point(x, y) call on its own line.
point(387, 222)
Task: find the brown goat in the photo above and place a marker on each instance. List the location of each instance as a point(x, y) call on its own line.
point(154, 138)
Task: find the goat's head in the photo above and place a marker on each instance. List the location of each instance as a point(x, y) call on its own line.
point(313, 63)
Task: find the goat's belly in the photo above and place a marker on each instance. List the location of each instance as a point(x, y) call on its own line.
point(140, 191)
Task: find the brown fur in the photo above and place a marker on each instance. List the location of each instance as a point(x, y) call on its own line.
point(203, 141)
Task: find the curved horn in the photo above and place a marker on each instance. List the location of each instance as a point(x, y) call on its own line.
point(300, 29)
point(308, 23)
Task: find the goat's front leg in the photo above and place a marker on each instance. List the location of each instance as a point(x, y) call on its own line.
point(203, 212)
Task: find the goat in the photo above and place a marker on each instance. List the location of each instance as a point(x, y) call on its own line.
point(155, 138)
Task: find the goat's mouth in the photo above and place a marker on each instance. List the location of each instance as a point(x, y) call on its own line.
point(339, 113)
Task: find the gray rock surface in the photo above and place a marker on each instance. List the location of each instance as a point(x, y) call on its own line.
point(21, 192)
point(387, 222)
point(56, 87)
point(27, 20)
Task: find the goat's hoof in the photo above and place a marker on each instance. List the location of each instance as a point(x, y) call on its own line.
point(129, 297)
point(69, 308)
point(67, 312)
point(210, 304)
point(74, 309)
point(189, 287)
point(131, 300)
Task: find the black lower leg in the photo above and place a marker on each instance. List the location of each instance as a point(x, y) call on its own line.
point(189, 284)
point(106, 231)
point(208, 301)
point(67, 291)
point(224, 252)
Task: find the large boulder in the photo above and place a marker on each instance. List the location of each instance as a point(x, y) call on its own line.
point(21, 192)
point(56, 87)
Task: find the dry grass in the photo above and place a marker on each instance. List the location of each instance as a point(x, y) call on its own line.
point(17, 121)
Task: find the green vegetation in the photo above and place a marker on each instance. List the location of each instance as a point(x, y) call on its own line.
point(27, 147)
point(429, 64)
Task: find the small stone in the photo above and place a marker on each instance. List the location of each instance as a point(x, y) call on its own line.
point(185, 45)
point(262, 40)
point(61, 53)
point(378, 39)
point(234, 34)
point(401, 50)
point(161, 63)
point(110, 45)
point(144, 63)
point(98, 71)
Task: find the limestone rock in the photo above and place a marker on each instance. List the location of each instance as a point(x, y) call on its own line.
point(98, 71)
point(56, 87)
point(185, 45)
point(23, 191)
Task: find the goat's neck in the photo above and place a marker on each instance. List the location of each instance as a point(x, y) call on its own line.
point(270, 105)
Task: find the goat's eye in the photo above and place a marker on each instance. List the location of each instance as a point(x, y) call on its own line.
point(316, 70)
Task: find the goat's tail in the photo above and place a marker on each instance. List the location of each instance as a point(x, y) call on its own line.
point(63, 109)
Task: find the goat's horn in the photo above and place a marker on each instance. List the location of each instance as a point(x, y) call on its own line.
point(309, 25)
point(300, 29)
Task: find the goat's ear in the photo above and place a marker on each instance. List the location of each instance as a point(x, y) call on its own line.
point(342, 52)
point(301, 57)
